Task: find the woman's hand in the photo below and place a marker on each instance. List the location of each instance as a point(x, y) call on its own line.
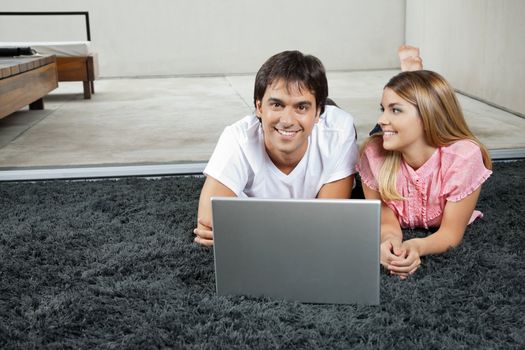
point(391, 250)
point(410, 260)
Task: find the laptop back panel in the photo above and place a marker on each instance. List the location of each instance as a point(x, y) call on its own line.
point(317, 251)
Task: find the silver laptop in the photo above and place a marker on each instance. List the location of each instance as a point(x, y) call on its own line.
point(314, 251)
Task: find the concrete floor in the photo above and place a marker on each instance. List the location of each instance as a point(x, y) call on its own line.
point(178, 120)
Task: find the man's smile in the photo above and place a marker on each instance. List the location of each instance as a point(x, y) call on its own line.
point(287, 133)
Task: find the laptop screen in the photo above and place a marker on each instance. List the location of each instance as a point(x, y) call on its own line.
point(318, 250)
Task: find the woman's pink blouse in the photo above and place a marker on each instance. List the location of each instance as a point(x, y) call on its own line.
point(450, 174)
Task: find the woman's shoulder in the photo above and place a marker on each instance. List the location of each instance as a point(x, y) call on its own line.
point(461, 148)
point(372, 155)
point(373, 148)
point(460, 154)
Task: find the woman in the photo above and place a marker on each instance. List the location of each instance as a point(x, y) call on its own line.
point(425, 165)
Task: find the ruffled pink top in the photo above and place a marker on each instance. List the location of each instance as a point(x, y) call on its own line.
point(450, 174)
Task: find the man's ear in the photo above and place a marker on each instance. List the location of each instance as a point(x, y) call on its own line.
point(258, 107)
point(317, 115)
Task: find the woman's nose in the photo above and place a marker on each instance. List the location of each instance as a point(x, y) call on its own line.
point(383, 120)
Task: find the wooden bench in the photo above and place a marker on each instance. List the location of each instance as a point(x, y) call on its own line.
point(79, 68)
point(25, 81)
point(83, 68)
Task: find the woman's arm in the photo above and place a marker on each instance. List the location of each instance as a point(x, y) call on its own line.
point(450, 233)
point(455, 220)
point(211, 188)
point(391, 234)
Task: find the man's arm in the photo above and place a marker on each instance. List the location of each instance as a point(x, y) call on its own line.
point(337, 189)
point(204, 230)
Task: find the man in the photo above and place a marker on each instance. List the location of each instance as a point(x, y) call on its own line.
point(293, 147)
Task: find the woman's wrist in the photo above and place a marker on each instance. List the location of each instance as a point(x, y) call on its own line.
point(416, 244)
point(390, 236)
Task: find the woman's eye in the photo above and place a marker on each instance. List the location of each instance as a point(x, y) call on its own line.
point(381, 109)
point(396, 110)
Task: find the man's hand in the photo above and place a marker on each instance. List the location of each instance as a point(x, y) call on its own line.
point(204, 233)
point(204, 230)
point(410, 263)
point(409, 58)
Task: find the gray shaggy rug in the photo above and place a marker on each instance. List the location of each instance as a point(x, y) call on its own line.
point(111, 264)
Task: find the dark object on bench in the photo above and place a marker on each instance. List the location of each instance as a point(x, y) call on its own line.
point(16, 51)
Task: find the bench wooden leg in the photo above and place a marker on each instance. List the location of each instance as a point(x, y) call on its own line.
point(92, 87)
point(87, 90)
point(38, 104)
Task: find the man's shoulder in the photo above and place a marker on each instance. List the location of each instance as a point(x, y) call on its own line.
point(335, 118)
point(335, 127)
point(245, 130)
point(245, 127)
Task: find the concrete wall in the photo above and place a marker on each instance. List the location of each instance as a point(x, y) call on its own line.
point(172, 37)
point(478, 45)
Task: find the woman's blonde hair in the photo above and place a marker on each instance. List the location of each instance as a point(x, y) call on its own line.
point(442, 118)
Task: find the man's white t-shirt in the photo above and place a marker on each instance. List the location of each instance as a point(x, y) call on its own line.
point(241, 163)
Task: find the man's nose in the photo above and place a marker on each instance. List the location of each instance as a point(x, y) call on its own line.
point(286, 116)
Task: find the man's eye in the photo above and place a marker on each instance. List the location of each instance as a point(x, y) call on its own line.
point(276, 105)
point(303, 107)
